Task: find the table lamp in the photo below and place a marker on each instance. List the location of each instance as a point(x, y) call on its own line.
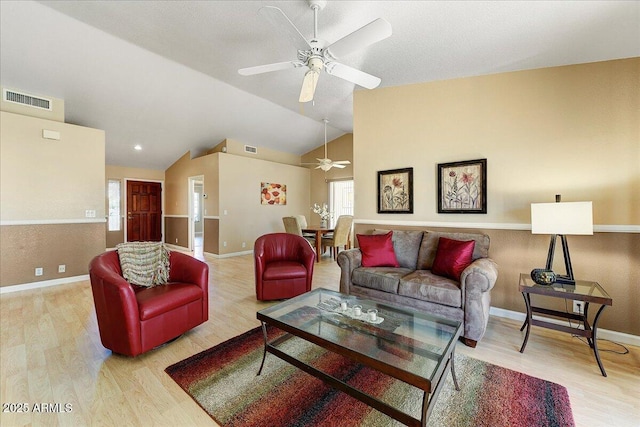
point(561, 219)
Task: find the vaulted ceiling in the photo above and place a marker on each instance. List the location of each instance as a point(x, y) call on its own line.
point(163, 74)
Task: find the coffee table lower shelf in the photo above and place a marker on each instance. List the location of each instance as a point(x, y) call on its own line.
point(430, 393)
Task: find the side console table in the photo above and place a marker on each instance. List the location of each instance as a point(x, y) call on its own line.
point(583, 290)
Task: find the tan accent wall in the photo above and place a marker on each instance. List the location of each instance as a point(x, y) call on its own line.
point(211, 236)
point(121, 173)
point(26, 247)
point(177, 184)
point(237, 148)
point(246, 219)
point(571, 130)
point(338, 149)
point(56, 112)
point(176, 231)
point(45, 188)
point(50, 180)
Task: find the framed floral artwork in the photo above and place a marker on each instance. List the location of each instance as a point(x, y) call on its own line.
point(273, 194)
point(395, 191)
point(462, 187)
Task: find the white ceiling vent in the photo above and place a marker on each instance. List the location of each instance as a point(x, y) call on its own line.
point(250, 149)
point(26, 99)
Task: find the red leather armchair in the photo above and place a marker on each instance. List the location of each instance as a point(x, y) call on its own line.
point(135, 319)
point(283, 266)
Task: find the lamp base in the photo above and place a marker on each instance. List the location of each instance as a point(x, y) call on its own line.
point(568, 278)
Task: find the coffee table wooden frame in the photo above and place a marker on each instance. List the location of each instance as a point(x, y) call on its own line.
point(430, 390)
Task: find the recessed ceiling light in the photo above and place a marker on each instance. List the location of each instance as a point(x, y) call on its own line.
point(138, 147)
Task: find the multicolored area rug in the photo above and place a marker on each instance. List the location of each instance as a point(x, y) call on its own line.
point(223, 381)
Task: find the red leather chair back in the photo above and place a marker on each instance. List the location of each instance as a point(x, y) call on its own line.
point(286, 253)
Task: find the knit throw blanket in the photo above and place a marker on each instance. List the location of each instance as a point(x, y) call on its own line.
point(144, 263)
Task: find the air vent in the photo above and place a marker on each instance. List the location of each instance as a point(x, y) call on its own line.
point(26, 99)
point(250, 149)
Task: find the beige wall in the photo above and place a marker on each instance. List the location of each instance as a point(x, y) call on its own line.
point(122, 174)
point(571, 130)
point(245, 218)
point(45, 188)
point(236, 147)
point(338, 149)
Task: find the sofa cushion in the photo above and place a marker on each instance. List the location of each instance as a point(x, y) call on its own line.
point(384, 279)
point(452, 257)
point(406, 245)
point(377, 250)
point(426, 286)
point(429, 246)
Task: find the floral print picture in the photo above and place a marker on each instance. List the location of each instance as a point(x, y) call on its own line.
point(395, 191)
point(462, 187)
point(273, 194)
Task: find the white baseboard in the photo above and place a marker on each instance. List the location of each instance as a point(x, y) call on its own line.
point(619, 337)
point(42, 284)
point(229, 255)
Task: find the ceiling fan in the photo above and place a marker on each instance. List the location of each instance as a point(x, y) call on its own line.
point(316, 55)
point(326, 163)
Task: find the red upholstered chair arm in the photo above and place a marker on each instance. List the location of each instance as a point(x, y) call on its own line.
point(260, 264)
point(186, 269)
point(309, 261)
point(116, 304)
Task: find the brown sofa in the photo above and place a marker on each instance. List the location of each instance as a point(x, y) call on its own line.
point(413, 285)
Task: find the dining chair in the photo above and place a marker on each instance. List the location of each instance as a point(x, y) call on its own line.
point(292, 226)
point(341, 235)
point(302, 220)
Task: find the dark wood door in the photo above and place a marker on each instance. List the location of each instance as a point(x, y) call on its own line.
point(144, 209)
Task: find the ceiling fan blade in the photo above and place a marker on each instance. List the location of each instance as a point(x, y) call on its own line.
point(352, 75)
point(336, 165)
point(309, 86)
point(371, 33)
point(259, 69)
point(342, 162)
point(283, 24)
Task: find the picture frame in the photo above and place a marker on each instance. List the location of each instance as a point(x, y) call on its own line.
point(395, 191)
point(273, 194)
point(462, 187)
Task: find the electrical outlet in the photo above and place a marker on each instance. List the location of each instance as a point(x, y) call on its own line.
point(176, 240)
point(244, 244)
point(39, 271)
point(62, 268)
point(578, 307)
point(224, 244)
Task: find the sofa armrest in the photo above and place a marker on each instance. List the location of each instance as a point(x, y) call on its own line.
point(348, 261)
point(480, 275)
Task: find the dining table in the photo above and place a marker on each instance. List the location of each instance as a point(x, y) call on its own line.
point(319, 232)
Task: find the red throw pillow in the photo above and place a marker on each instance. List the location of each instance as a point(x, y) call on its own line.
point(377, 250)
point(452, 257)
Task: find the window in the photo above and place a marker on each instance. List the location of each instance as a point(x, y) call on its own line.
point(114, 205)
point(340, 199)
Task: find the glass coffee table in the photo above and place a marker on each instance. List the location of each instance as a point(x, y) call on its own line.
point(411, 346)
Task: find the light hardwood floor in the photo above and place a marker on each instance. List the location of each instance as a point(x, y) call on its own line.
point(51, 353)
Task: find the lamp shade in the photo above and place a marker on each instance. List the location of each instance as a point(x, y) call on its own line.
point(564, 218)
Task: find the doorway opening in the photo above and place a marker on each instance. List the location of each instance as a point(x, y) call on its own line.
point(196, 215)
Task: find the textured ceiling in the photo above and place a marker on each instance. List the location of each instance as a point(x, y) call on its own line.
point(163, 74)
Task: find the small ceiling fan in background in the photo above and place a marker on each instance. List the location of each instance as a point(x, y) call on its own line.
point(326, 163)
point(317, 56)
